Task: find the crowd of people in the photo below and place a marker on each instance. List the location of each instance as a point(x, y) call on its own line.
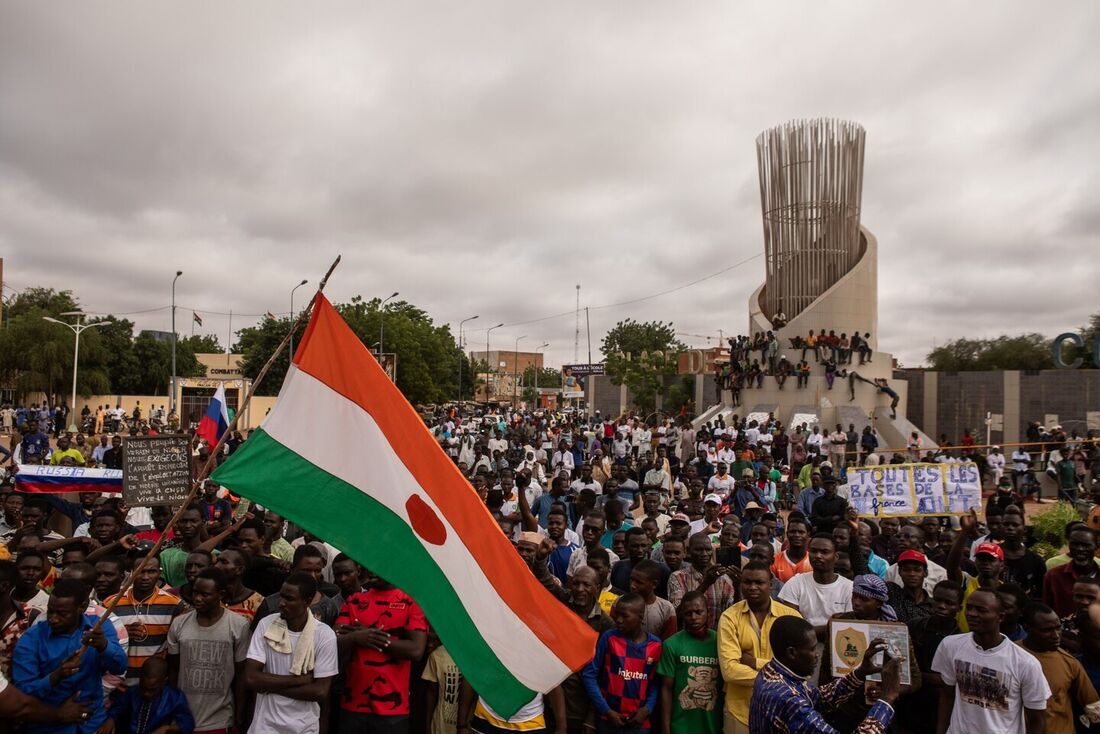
point(710, 562)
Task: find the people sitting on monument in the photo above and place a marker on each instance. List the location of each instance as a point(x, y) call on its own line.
point(802, 370)
point(783, 370)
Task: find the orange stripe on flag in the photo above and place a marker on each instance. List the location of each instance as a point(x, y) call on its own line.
point(332, 353)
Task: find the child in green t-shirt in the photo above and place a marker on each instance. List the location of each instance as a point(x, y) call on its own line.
point(691, 681)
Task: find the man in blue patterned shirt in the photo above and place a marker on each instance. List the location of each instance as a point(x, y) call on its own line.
point(784, 701)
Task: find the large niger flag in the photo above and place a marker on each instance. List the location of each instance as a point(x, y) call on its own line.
point(346, 457)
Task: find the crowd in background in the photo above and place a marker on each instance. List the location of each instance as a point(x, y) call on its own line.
point(710, 560)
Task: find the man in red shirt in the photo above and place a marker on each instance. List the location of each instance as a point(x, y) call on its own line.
point(385, 630)
point(1058, 582)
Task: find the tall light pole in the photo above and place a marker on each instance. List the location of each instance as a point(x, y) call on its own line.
point(462, 356)
point(172, 401)
point(382, 323)
point(538, 369)
point(515, 371)
point(304, 281)
point(487, 332)
point(76, 329)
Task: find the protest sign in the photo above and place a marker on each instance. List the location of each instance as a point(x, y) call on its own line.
point(850, 638)
point(914, 489)
point(963, 486)
point(156, 470)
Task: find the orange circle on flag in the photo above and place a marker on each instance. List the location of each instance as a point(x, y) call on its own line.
point(425, 522)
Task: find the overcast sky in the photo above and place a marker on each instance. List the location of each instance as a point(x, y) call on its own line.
point(486, 157)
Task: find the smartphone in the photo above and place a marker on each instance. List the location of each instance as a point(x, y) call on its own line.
point(728, 557)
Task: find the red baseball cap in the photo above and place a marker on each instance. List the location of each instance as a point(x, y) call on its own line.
point(912, 555)
point(992, 549)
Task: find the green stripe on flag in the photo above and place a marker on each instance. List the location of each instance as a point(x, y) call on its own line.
point(268, 473)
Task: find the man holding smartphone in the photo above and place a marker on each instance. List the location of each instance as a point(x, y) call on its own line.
point(715, 581)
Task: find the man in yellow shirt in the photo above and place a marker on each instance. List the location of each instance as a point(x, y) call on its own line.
point(65, 450)
point(743, 646)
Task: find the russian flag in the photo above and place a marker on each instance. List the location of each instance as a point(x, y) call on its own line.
point(216, 421)
point(63, 479)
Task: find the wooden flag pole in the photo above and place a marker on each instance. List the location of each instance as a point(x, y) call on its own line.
point(205, 471)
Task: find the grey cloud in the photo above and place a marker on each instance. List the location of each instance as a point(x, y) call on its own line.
point(486, 157)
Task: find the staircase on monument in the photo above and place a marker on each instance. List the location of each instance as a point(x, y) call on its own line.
point(894, 432)
point(851, 415)
point(808, 414)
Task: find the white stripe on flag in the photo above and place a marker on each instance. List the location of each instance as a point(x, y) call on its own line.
point(338, 436)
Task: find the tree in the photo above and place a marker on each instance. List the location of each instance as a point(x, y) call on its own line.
point(681, 393)
point(547, 377)
point(126, 371)
point(1022, 352)
point(1090, 332)
point(256, 344)
point(639, 355)
point(427, 356)
point(37, 355)
point(42, 301)
point(155, 357)
point(201, 344)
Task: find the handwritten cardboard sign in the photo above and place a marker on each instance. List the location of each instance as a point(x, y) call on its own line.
point(156, 470)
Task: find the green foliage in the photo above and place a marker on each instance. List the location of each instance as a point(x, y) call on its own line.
point(546, 377)
point(1050, 528)
point(427, 356)
point(681, 393)
point(37, 355)
point(257, 343)
point(1023, 352)
point(201, 344)
point(41, 301)
point(1089, 333)
point(639, 355)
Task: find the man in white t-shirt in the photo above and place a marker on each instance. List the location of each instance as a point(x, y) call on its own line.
point(722, 482)
point(641, 439)
point(269, 668)
point(991, 684)
point(586, 481)
point(823, 592)
point(496, 443)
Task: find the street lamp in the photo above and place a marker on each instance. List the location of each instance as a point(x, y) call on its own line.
point(76, 329)
point(461, 356)
point(538, 369)
point(487, 332)
point(304, 281)
point(382, 323)
point(515, 371)
point(172, 401)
